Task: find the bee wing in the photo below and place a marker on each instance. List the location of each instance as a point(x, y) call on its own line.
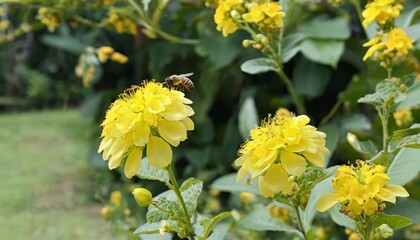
point(186, 74)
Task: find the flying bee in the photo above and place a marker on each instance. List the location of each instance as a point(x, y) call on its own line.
point(180, 82)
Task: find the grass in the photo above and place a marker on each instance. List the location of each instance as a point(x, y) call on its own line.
point(45, 193)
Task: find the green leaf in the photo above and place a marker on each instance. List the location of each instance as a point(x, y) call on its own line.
point(406, 207)
point(324, 28)
point(219, 231)
point(228, 183)
point(146, 171)
point(199, 157)
point(386, 93)
point(393, 221)
point(169, 208)
point(412, 98)
point(323, 51)
point(258, 65)
point(331, 130)
point(66, 43)
point(365, 147)
point(409, 137)
point(356, 123)
point(221, 51)
point(317, 192)
point(214, 221)
point(247, 117)
point(413, 31)
point(404, 167)
point(190, 191)
point(291, 46)
point(340, 218)
point(310, 78)
point(405, 18)
point(260, 219)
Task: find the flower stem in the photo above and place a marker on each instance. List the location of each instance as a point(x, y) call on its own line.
point(175, 188)
point(300, 223)
point(383, 115)
point(292, 91)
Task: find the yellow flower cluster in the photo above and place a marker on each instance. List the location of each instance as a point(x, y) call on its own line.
point(403, 117)
point(121, 23)
point(361, 190)
point(107, 52)
point(394, 44)
point(381, 11)
point(149, 115)
point(278, 152)
point(50, 17)
point(233, 14)
point(265, 15)
point(116, 207)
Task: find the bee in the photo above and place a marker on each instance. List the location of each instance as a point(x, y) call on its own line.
point(180, 82)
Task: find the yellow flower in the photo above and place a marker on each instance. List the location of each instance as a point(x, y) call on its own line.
point(403, 117)
point(395, 44)
point(227, 12)
point(106, 212)
point(360, 190)
point(149, 115)
point(119, 58)
point(381, 11)
point(265, 15)
point(50, 17)
point(278, 151)
point(116, 198)
point(4, 24)
point(121, 22)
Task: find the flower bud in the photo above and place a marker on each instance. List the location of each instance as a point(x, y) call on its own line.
point(235, 14)
point(106, 212)
point(143, 196)
point(246, 43)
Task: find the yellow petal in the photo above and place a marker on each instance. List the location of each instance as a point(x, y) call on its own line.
point(176, 111)
point(293, 163)
point(105, 143)
point(114, 162)
point(172, 131)
point(189, 124)
point(141, 134)
point(315, 158)
point(397, 190)
point(275, 178)
point(387, 195)
point(133, 162)
point(326, 202)
point(158, 152)
point(266, 192)
point(119, 146)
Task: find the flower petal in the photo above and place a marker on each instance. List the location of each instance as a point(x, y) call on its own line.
point(326, 202)
point(293, 163)
point(141, 134)
point(172, 131)
point(132, 164)
point(397, 190)
point(158, 152)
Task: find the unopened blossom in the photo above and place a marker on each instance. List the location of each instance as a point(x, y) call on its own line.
point(361, 190)
point(280, 150)
point(148, 116)
point(50, 17)
point(403, 117)
point(381, 11)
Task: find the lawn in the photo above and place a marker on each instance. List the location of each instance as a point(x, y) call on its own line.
point(45, 191)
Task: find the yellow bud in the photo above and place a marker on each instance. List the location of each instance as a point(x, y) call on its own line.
point(104, 53)
point(246, 43)
point(214, 192)
point(235, 14)
point(119, 58)
point(106, 212)
point(116, 198)
point(127, 212)
point(246, 197)
point(385, 231)
point(143, 196)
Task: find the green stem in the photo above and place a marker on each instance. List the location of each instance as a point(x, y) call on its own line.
point(383, 115)
point(359, 14)
point(175, 39)
point(292, 91)
point(175, 188)
point(333, 110)
point(300, 223)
